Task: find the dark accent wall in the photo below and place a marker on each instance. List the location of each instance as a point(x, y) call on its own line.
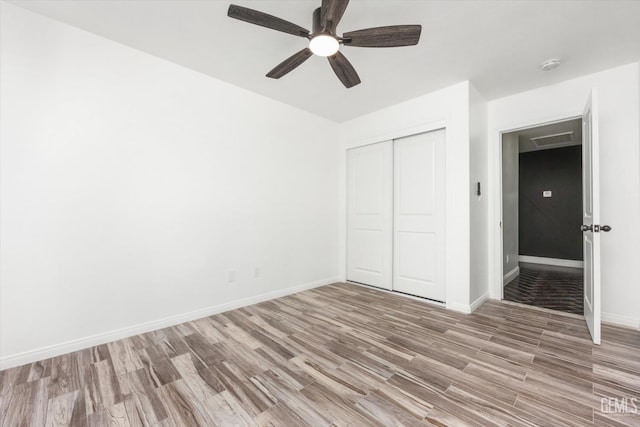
point(550, 227)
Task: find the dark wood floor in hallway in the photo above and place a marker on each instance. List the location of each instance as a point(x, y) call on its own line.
point(547, 286)
point(340, 355)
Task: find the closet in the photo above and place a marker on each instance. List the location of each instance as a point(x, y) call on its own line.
point(396, 215)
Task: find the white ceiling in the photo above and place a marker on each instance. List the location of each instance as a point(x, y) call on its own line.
point(497, 44)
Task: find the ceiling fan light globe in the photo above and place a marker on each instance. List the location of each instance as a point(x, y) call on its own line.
point(324, 45)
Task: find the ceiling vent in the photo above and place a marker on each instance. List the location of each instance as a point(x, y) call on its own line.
point(558, 138)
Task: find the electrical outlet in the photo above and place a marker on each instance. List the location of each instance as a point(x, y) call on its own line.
point(232, 276)
point(256, 272)
point(507, 258)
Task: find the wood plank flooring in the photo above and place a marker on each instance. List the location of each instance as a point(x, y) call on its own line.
point(339, 355)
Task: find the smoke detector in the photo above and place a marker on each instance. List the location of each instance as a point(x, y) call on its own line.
point(550, 64)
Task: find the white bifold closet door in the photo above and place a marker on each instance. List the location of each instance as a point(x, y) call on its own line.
point(369, 214)
point(419, 215)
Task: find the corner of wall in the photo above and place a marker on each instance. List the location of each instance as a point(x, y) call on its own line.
point(469, 308)
point(479, 206)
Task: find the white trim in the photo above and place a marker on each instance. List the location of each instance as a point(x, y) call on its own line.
point(495, 188)
point(105, 337)
point(401, 133)
point(460, 308)
point(618, 320)
point(551, 261)
point(477, 303)
point(511, 275)
point(469, 308)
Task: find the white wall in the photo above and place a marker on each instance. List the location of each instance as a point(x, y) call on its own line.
point(510, 201)
point(448, 108)
point(131, 186)
point(479, 205)
point(619, 168)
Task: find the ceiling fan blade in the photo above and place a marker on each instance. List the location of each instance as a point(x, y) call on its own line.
point(344, 70)
point(265, 20)
point(290, 63)
point(393, 36)
point(332, 11)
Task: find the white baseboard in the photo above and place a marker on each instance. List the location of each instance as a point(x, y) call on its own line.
point(105, 337)
point(477, 303)
point(510, 276)
point(461, 308)
point(551, 261)
point(616, 319)
point(469, 308)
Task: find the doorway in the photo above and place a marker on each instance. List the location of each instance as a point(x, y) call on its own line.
point(542, 214)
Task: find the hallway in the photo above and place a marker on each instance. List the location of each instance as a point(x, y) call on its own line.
point(555, 288)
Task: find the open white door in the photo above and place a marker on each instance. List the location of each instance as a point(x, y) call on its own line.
point(369, 214)
point(591, 215)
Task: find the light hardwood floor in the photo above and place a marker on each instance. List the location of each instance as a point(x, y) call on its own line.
point(339, 355)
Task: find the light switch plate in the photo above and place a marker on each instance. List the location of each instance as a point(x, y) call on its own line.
point(546, 193)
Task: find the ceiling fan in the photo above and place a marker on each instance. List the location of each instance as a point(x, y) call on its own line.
point(324, 41)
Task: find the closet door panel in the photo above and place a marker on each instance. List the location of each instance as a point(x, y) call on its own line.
point(419, 220)
point(369, 214)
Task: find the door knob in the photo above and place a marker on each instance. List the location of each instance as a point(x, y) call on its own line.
point(595, 228)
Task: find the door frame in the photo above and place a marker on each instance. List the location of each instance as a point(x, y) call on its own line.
point(392, 135)
point(496, 250)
